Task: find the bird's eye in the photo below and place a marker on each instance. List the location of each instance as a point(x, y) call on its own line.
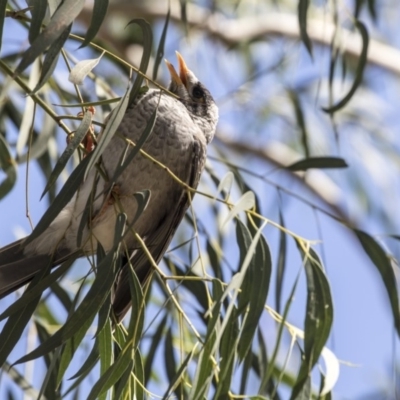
point(198, 92)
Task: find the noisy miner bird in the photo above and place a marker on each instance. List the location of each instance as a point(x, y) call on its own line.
point(183, 128)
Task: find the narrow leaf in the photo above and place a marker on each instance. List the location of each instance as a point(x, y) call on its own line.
point(302, 16)
point(38, 11)
point(179, 373)
point(15, 325)
point(319, 317)
point(382, 263)
point(132, 151)
point(62, 199)
point(64, 16)
point(99, 13)
point(71, 147)
point(144, 63)
point(51, 58)
point(8, 166)
point(359, 71)
point(107, 134)
point(3, 7)
point(160, 50)
point(318, 162)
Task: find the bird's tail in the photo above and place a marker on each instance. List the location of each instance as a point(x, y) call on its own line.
point(17, 269)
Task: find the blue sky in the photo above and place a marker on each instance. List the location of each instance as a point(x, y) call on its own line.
point(363, 333)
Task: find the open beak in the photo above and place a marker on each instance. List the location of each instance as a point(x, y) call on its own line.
point(180, 79)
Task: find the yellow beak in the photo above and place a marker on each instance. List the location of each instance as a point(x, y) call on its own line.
point(183, 71)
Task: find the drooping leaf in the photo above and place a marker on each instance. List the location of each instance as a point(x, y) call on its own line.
point(382, 263)
point(67, 153)
point(8, 166)
point(3, 7)
point(51, 58)
point(62, 199)
point(99, 13)
point(302, 17)
point(38, 12)
point(144, 63)
point(160, 50)
point(318, 162)
point(63, 16)
point(16, 323)
point(359, 71)
point(319, 317)
point(92, 302)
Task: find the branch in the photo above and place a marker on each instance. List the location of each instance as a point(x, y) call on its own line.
point(234, 31)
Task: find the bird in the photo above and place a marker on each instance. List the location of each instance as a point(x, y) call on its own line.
point(184, 126)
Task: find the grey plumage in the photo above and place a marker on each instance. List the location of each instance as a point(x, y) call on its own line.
point(182, 130)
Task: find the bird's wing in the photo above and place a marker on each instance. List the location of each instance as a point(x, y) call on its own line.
point(158, 241)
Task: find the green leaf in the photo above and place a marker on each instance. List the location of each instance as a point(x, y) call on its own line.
point(107, 134)
point(228, 351)
point(359, 71)
point(51, 58)
point(139, 377)
point(136, 322)
point(106, 350)
point(113, 374)
point(64, 16)
point(71, 147)
point(281, 264)
point(319, 317)
point(302, 17)
point(71, 346)
point(144, 63)
point(205, 371)
point(300, 118)
point(382, 263)
point(92, 302)
point(89, 363)
point(3, 7)
point(9, 167)
point(62, 199)
point(122, 387)
point(318, 162)
point(154, 345)
point(38, 12)
point(160, 50)
point(170, 363)
point(178, 376)
point(15, 325)
point(259, 276)
point(132, 151)
point(99, 13)
point(37, 290)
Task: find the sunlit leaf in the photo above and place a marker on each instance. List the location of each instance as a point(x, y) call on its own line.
point(246, 202)
point(319, 317)
point(81, 69)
